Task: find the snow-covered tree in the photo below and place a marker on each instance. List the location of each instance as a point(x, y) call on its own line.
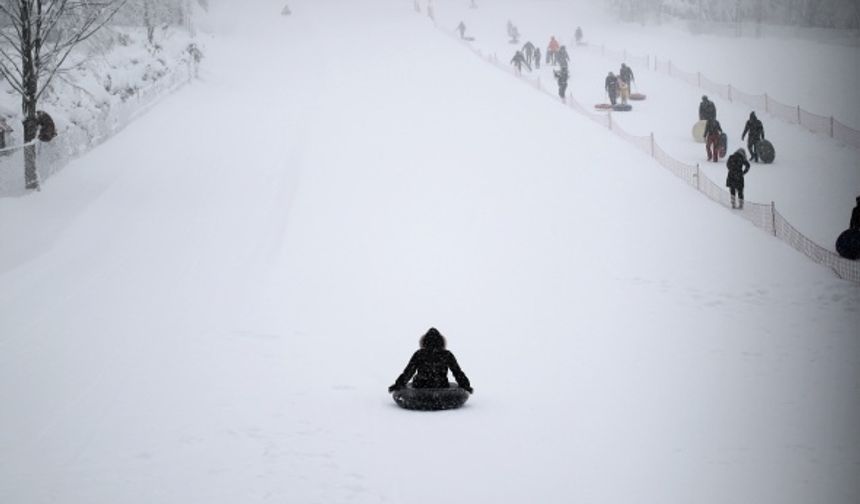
point(36, 38)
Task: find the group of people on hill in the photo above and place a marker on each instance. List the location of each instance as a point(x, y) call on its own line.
point(556, 55)
point(738, 165)
point(619, 85)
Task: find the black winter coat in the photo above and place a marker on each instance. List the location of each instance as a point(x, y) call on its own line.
point(738, 167)
point(855, 218)
point(432, 365)
point(611, 84)
point(707, 110)
point(713, 128)
point(626, 75)
point(756, 130)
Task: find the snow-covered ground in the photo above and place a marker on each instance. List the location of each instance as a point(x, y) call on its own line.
point(814, 180)
point(213, 313)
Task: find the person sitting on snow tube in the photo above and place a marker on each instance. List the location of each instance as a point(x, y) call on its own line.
point(431, 362)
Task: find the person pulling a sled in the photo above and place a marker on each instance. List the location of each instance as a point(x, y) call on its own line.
point(756, 131)
point(430, 364)
point(707, 109)
point(462, 29)
point(611, 86)
point(713, 130)
point(626, 75)
point(738, 167)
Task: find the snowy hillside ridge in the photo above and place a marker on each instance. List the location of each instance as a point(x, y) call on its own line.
point(98, 94)
point(763, 102)
point(763, 216)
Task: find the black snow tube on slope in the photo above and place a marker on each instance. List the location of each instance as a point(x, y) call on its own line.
point(430, 399)
point(848, 244)
point(766, 151)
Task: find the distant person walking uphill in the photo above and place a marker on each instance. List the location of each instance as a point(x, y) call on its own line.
point(713, 131)
point(562, 76)
point(707, 109)
point(756, 134)
point(518, 61)
point(738, 166)
point(611, 86)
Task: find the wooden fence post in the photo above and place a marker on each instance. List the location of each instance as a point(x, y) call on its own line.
point(698, 178)
point(773, 216)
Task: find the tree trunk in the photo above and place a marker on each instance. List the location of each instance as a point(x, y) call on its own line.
point(28, 99)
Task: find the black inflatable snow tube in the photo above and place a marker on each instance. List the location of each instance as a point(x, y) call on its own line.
point(848, 244)
point(430, 399)
point(766, 151)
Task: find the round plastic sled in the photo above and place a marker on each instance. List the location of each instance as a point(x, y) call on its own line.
point(766, 152)
point(723, 146)
point(699, 131)
point(430, 399)
point(622, 107)
point(848, 244)
point(603, 106)
point(637, 96)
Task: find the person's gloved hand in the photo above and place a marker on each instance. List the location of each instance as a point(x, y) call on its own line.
point(469, 389)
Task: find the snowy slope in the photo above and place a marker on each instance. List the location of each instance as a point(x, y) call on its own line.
point(814, 180)
point(216, 319)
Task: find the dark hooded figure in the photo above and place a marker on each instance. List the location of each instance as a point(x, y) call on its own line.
point(462, 29)
point(431, 363)
point(562, 58)
point(47, 129)
point(529, 52)
point(626, 74)
point(536, 55)
point(518, 61)
point(738, 167)
point(562, 75)
point(756, 131)
point(855, 216)
point(713, 130)
point(707, 109)
point(611, 86)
